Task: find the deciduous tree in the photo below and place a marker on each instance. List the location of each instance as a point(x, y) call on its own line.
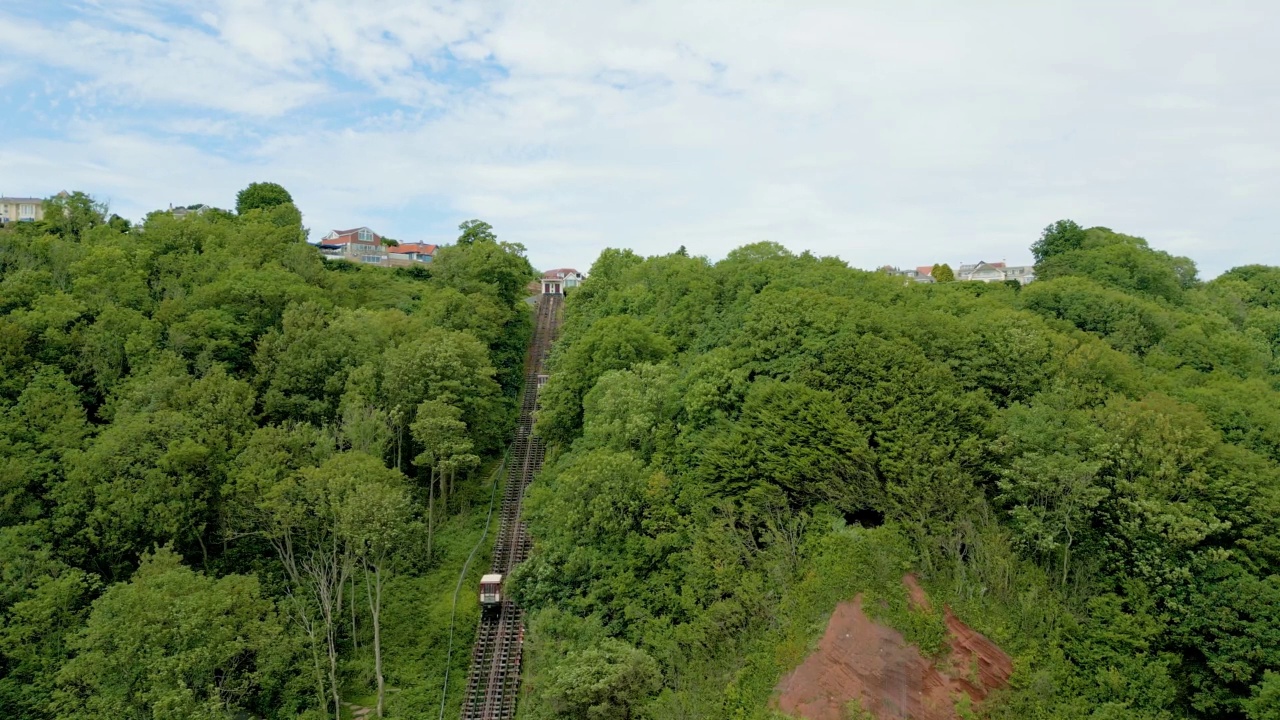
point(261, 196)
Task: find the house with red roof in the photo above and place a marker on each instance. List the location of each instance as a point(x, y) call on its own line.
point(366, 246)
point(409, 253)
point(355, 245)
point(560, 281)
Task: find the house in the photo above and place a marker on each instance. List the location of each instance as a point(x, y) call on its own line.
point(921, 274)
point(996, 272)
point(408, 253)
point(975, 272)
point(20, 209)
point(355, 245)
point(560, 281)
point(981, 271)
point(181, 212)
point(1022, 273)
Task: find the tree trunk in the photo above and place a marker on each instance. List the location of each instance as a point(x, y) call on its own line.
point(1066, 554)
point(329, 575)
point(375, 612)
point(399, 439)
point(431, 515)
point(308, 627)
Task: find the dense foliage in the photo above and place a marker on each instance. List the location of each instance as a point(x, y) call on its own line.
point(1085, 469)
point(223, 459)
point(261, 196)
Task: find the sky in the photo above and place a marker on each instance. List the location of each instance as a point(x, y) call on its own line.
point(901, 133)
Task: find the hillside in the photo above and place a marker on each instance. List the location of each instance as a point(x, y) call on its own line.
point(236, 477)
point(1084, 470)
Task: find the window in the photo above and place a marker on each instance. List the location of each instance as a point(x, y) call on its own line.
point(26, 211)
point(365, 235)
point(374, 259)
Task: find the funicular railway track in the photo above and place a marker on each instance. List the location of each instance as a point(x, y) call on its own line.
point(493, 682)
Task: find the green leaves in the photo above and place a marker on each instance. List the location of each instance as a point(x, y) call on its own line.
point(174, 643)
point(601, 683)
point(615, 343)
point(261, 196)
point(799, 440)
point(1120, 261)
point(473, 231)
point(190, 383)
point(488, 266)
point(1060, 237)
point(1081, 465)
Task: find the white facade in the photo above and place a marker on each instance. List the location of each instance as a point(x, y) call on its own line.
point(996, 272)
point(556, 282)
point(14, 209)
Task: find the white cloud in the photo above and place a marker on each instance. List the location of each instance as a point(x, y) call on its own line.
point(897, 133)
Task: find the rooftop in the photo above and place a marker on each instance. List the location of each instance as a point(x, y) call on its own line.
point(560, 273)
point(422, 248)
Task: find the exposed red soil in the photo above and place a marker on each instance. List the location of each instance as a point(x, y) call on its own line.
point(861, 660)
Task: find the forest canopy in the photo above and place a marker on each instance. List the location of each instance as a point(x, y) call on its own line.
point(1084, 469)
point(234, 475)
point(223, 458)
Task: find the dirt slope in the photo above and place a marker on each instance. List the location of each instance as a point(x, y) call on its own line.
point(861, 660)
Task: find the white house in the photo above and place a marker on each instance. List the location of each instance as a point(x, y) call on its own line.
point(560, 281)
point(20, 209)
point(996, 272)
point(988, 272)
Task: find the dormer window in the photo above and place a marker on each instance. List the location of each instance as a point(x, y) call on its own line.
point(365, 235)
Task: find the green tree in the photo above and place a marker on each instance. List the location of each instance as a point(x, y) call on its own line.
point(41, 600)
point(613, 343)
point(1126, 263)
point(500, 269)
point(451, 367)
point(119, 224)
point(442, 435)
point(612, 680)
point(1052, 487)
point(72, 215)
point(174, 643)
point(630, 409)
point(474, 231)
point(375, 519)
point(1058, 238)
point(1264, 704)
point(153, 475)
point(799, 440)
point(261, 196)
point(38, 435)
point(310, 517)
point(943, 273)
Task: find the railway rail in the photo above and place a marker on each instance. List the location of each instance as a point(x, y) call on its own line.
point(493, 682)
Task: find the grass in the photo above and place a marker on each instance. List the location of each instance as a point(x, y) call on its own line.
point(417, 610)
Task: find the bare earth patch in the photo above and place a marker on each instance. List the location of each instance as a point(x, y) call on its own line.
point(860, 660)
